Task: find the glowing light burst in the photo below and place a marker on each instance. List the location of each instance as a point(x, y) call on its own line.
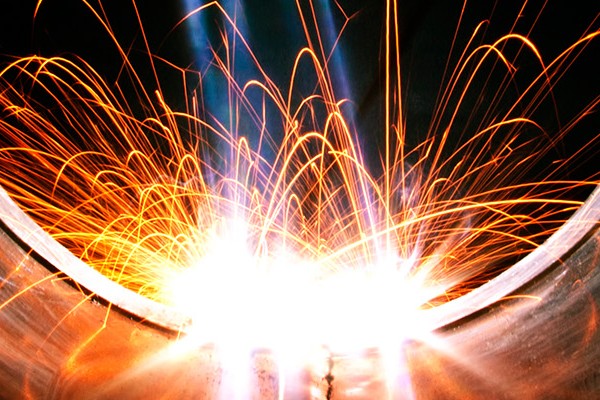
point(278, 235)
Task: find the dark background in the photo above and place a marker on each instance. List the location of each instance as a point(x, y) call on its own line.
point(65, 27)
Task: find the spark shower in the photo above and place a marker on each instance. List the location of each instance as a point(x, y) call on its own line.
point(251, 220)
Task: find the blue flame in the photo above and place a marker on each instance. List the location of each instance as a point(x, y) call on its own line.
point(274, 43)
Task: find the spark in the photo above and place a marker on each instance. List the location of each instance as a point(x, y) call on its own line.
point(281, 236)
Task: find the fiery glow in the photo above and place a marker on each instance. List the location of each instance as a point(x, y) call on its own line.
point(282, 236)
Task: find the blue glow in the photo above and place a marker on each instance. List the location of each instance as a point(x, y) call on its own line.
point(276, 44)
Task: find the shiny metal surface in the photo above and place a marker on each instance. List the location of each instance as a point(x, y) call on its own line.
point(530, 333)
point(58, 342)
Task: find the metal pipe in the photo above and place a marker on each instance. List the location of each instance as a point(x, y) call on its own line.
point(529, 333)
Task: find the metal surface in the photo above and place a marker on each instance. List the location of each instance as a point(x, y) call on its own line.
point(529, 333)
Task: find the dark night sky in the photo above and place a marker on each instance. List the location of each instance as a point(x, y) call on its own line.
point(65, 26)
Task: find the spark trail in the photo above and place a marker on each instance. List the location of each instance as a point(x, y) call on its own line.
point(263, 217)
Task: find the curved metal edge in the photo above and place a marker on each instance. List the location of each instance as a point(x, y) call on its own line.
point(553, 250)
point(23, 227)
point(580, 224)
point(541, 343)
point(515, 342)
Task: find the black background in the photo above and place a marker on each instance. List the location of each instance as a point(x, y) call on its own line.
point(426, 31)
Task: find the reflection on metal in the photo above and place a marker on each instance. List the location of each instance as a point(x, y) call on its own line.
point(21, 225)
point(529, 333)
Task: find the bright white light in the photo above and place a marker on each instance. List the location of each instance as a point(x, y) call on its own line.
point(237, 299)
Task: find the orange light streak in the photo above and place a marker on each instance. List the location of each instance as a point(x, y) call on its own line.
point(153, 203)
